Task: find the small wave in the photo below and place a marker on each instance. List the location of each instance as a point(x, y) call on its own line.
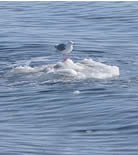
point(67, 70)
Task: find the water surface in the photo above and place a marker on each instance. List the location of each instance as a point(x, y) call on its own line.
point(40, 111)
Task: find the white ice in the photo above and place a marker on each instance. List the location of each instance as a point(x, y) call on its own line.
point(83, 69)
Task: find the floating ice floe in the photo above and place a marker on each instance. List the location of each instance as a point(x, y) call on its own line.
point(84, 69)
point(76, 92)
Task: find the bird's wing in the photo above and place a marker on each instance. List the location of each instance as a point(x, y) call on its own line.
point(61, 47)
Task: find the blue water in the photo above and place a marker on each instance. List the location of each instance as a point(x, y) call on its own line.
point(41, 114)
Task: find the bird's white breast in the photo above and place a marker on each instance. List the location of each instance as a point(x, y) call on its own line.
point(68, 49)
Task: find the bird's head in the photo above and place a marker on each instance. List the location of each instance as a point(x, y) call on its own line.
point(72, 43)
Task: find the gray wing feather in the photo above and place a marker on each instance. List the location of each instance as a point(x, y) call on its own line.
point(61, 47)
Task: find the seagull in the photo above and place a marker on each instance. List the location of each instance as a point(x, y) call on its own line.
point(65, 48)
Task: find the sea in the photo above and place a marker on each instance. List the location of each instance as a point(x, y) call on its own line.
point(86, 104)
